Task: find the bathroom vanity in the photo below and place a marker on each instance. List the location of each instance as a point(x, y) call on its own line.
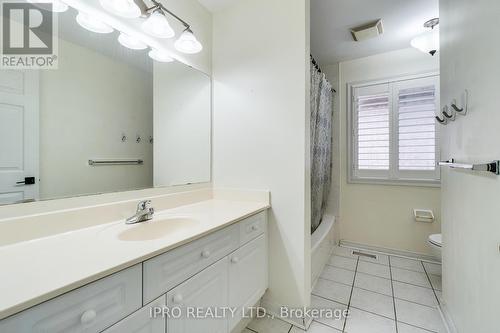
point(209, 255)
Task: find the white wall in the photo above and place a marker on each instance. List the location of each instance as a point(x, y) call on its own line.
point(261, 122)
point(382, 215)
point(182, 124)
point(85, 106)
point(470, 56)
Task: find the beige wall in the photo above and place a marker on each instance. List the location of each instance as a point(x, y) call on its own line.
point(261, 127)
point(382, 215)
point(85, 106)
point(471, 227)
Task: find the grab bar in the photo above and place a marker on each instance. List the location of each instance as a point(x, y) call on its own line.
point(115, 162)
point(493, 167)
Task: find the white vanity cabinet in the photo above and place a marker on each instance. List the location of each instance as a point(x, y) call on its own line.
point(204, 278)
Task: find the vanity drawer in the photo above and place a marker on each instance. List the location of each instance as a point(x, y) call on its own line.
point(166, 271)
point(252, 227)
point(91, 308)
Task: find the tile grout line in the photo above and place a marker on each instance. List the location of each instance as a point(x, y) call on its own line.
point(350, 296)
point(430, 282)
point(393, 298)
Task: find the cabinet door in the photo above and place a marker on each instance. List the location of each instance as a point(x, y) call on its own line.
point(146, 320)
point(247, 276)
point(206, 290)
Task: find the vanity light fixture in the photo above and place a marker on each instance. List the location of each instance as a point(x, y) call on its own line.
point(160, 56)
point(428, 42)
point(93, 24)
point(157, 25)
point(123, 8)
point(131, 42)
point(57, 6)
point(187, 43)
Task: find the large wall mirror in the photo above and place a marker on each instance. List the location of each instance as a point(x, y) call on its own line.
point(108, 119)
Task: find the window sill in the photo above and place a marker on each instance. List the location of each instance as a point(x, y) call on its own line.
point(395, 182)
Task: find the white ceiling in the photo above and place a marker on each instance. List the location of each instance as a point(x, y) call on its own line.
point(215, 5)
point(331, 40)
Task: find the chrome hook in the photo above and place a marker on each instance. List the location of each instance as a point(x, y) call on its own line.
point(442, 121)
point(465, 104)
point(450, 116)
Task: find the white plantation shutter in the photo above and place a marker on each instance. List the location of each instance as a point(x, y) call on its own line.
point(417, 128)
point(372, 130)
point(394, 133)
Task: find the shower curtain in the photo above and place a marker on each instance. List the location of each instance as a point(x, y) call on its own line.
point(321, 144)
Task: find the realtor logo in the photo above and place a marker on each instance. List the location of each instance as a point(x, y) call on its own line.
point(28, 36)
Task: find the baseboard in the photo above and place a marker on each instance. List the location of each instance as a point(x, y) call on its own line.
point(445, 314)
point(385, 250)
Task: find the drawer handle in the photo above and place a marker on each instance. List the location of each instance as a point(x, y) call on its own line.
point(205, 254)
point(178, 298)
point(255, 228)
point(235, 260)
point(88, 317)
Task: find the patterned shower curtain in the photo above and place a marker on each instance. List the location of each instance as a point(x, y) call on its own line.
point(321, 144)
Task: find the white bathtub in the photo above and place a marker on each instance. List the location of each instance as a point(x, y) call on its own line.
point(322, 242)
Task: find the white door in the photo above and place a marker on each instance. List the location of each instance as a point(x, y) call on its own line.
point(206, 290)
point(247, 277)
point(18, 135)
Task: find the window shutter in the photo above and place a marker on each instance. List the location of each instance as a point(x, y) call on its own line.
point(372, 132)
point(417, 128)
point(394, 132)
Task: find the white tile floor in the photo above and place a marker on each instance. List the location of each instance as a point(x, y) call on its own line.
point(384, 295)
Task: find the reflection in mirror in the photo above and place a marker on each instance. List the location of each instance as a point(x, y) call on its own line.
point(99, 105)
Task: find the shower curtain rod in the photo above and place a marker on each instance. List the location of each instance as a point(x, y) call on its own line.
point(316, 65)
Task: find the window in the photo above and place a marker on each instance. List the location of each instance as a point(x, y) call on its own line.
point(394, 134)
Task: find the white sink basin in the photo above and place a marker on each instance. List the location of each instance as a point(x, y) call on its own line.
point(156, 229)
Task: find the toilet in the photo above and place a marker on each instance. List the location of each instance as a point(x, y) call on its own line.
point(436, 243)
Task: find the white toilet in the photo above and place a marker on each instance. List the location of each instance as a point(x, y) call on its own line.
point(436, 243)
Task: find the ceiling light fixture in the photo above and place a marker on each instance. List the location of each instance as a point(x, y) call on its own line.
point(428, 42)
point(123, 8)
point(93, 24)
point(157, 25)
point(160, 56)
point(131, 42)
point(57, 6)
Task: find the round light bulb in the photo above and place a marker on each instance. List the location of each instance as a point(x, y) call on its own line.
point(124, 8)
point(131, 42)
point(427, 42)
point(157, 25)
point(187, 43)
point(160, 56)
point(57, 6)
point(91, 23)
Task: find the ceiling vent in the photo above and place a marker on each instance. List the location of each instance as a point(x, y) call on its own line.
point(367, 31)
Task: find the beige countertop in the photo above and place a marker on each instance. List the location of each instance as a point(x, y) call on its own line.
point(37, 270)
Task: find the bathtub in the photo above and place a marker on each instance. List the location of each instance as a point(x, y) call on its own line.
point(322, 242)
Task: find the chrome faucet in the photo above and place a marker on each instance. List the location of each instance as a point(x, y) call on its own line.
point(144, 213)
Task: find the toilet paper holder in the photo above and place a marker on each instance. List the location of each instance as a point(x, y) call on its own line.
point(423, 215)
